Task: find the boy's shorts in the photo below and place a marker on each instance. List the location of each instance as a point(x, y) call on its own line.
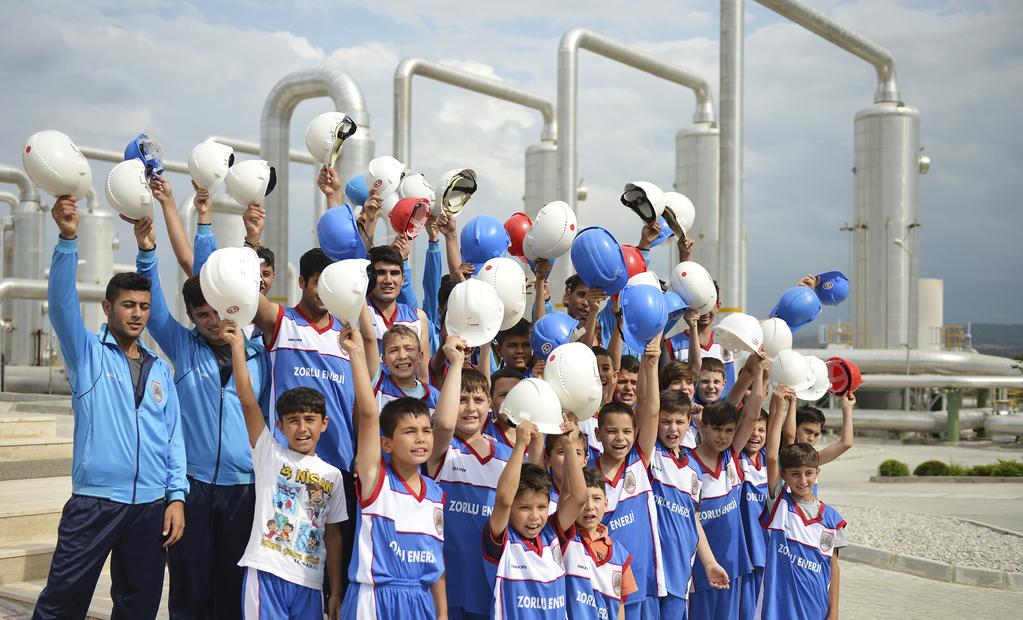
point(648, 607)
point(674, 607)
point(714, 604)
point(394, 600)
point(268, 597)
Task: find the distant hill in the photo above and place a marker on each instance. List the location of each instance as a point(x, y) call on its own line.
point(988, 338)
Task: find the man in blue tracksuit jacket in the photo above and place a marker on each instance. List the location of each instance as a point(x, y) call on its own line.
point(128, 482)
point(205, 579)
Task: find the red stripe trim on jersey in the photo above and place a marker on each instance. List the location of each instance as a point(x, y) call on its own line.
point(376, 489)
point(422, 486)
point(618, 475)
point(388, 322)
point(330, 321)
point(799, 511)
point(717, 471)
point(277, 326)
point(483, 460)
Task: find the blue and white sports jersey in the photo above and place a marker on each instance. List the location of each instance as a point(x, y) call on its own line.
point(692, 437)
point(676, 487)
point(387, 390)
point(721, 517)
point(304, 356)
point(469, 481)
point(399, 535)
point(754, 498)
point(493, 431)
point(593, 588)
point(678, 348)
point(631, 517)
point(528, 577)
point(403, 314)
point(799, 551)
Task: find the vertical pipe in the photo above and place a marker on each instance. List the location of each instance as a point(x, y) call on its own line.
point(955, 400)
point(730, 256)
point(26, 262)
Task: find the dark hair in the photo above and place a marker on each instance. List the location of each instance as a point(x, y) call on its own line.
point(764, 415)
point(712, 364)
point(301, 400)
point(128, 281)
point(268, 257)
point(191, 291)
point(446, 286)
point(676, 401)
point(504, 373)
point(594, 478)
point(676, 370)
point(399, 408)
point(533, 479)
point(386, 254)
point(798, 455)
point(474, 381)
point(612, 408)
point(549, 442)
point(720, 413)
point(519, 329)
point(599, 351)
point(629, 364)
point(807, 413)
point(573, 282)
point(312, 263)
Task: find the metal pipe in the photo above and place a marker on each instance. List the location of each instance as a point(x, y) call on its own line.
point(893, 361)
point(252, 148)
point(25, 288)
point(9, 199)
point(914, 422)
point(949, 382)
point(275, 131)
point(730, 260)
point(411, 67)
point(27, 261)
point(27, 193)
point(857, 45)
point(90, 152)
point(1003, 424)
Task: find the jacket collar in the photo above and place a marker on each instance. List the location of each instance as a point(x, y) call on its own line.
point(107, 338)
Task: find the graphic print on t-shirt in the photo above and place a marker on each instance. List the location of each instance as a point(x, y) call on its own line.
point(296, 531)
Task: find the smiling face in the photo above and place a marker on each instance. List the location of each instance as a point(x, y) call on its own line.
point(516, 351)
point(389, 281)
point(671, 428)
point(401, 357)
point(207, 321)
point(302, 430)
point(529, 513)
point(472, 413)
point(756, 438)
point(266, 278)
point(593, 510)
point(411, 443)
point(625, 389)
point(801, 480)
point(128, 314)
point(617, 433)
point(712, 385)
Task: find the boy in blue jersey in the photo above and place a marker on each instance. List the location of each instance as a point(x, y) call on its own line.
point(676, 486)
point(808, 425)
point(724, 433)
point(395, 376)
point(499, 427)
point(300, 503)
point(680, 376)
point(555, 449)
point(628, 438)
point(397, 567)
point(801, 578)
point(387, 265)
point(521, 545)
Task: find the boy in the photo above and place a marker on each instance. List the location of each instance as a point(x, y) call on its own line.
point(712, 382)
point(678, 345)
point(397, 566)
point(724, 433)
point(676, 488)
point(680, 376)
point(499, 427)
point(628, 377)
point(632, 514)
point(555, 449)
point(395, 375)
point(801, 577)
point(606, 371)
point(598, 571)
point(387, 265)
point(513, 348)
point(808, 424)
point(467, 465)
point(521, 544)
point(300, 493)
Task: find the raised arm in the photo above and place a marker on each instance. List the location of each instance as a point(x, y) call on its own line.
point(452, 249)
point(255, 424)
point(614, 342)
point(743, 380)
point(164, 194)
point(572, 504)
point(172, 336)
point(508, 483)
point(367, 455)
point(594, 298)
point(751, 410)
point(62, 294)
point(541, 269)
point(780, 405)
point(329, 183)
point(432, 272)
point(843, 445)
point(369, 340)
point(648, 401)
point(445, 417)
point(692, 319)
point(205, 242)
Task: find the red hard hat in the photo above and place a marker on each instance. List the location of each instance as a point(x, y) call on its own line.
point(409, 216)
point(844, 375)
point(634, 260)
point(517, 226)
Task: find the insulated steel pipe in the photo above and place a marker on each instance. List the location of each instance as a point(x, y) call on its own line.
point(28, 220)
point(888, 361)
point(731, 260)
point(274, 140)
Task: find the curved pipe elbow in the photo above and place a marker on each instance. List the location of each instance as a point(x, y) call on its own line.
point(26, 191)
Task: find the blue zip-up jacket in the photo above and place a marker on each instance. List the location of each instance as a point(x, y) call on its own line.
point(216, 439)
point(128, 445)
point(431, 289)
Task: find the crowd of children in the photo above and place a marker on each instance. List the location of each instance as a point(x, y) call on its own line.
point(365, 470)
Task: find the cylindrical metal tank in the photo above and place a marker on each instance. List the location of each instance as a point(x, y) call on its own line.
point(541, 176)
point(27, 262)
point(931, 315)
point(886, 168)
point(696, 176)
point(95, 258)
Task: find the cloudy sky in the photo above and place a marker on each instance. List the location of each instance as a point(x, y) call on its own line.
point(103, 71)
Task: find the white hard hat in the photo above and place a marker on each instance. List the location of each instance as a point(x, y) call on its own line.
point(648, 278)
point(740, 332)
point(209, 164)
point(251, 181)
point(552, 232)
point(128, 191)
point(475, 312)
point(777, 336)
point(384, 173)
point(645, 198)
point(507, 278)
point(416, 186)
point(791, 369)
point(55, 164)
point(229, 280)
point(572, 371)
point(342, 288)
point(821, 380)
point(683, 208)
point(693, 284)
point(534, 400)
point(454, 189)
point(325, 133)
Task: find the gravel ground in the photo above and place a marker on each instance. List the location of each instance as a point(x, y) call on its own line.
point(934, 537)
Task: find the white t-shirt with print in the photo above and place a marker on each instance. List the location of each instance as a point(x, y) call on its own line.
point(296, 496)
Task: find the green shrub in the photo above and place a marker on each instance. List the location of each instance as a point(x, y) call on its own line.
point(982, 470)
point(931, 468)
point(1008, 469)
point(955, 469)
point(893, 468)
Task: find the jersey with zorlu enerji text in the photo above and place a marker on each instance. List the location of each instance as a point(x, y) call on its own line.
point(303, 355)
point(593, 587)
point(528, 576)
point(676, 488)
point(399, 534)
point(797, 577)
point(721, 517)
point(754, 498)
point(387, 390)
point(678, 348)
point(403, 314)
point(469, 480)
point(631, 518)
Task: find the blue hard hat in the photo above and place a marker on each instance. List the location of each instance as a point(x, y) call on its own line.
point(675, 308)
point(339, 235)
point(148, 151)
point(798, 307)
point(356, 190)
point(483, 237)
point(550, 332)
point(666, 233)
point(644, 315)
point(599, 261)
point(833, 288)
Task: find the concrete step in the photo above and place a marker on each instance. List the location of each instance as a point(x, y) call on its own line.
point(35, 448)
point(23, 425)
point(35, 525)
point(15, 397)
point(55, 407)
point(36, 468)
point(26, 561)
point(26, 593)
